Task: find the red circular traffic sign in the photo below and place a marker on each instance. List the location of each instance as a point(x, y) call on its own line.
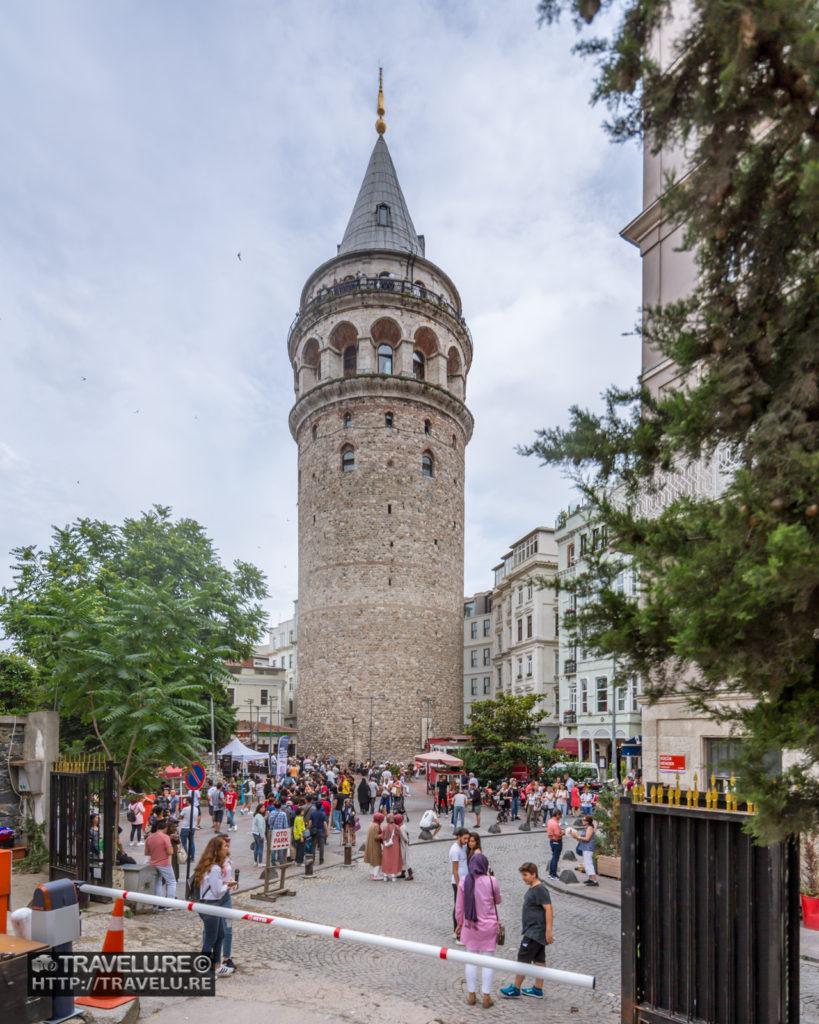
point(196, 776)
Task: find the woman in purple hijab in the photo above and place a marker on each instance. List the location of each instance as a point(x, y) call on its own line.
point(477, 922)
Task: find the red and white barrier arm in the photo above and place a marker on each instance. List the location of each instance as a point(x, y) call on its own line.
point(459, 956)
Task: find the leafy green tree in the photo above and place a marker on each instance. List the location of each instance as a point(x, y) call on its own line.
point(730, 585)
point(129, 627)
point(504, 733)
point(20, 689)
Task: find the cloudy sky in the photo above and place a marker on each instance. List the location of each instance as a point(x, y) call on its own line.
point(145, 144)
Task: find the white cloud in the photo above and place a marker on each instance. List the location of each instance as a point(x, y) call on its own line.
point(148, 144)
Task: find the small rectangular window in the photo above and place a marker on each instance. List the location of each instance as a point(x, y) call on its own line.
point(231, 695)
point(602, 694)
point(486, 627)
point(474, 630)
point(520, 668)
point(584, 696)
point(487, 684)
point(473, 658)
point(487, 654)
point(263, 697)
point(474, 687)
point(529, 665)
point(528, 626)
point(520, 629)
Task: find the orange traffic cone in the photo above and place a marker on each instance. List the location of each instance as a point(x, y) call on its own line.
point(114, 943)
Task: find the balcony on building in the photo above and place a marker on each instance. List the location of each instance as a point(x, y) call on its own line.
point(570, 667)
point(570, 718)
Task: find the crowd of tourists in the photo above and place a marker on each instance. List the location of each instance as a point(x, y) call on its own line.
point(315, 800)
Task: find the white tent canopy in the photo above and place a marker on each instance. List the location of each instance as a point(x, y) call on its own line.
point(239, 752)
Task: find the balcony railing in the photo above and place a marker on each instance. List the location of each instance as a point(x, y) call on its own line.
point(569, 717)
point(570, 667)
point(364, 285)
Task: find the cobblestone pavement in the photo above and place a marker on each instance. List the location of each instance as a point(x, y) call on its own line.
point(320, 979)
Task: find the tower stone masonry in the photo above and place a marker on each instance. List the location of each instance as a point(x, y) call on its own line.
point(380, 354)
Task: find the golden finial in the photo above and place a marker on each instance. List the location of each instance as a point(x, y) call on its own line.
point(380, 124)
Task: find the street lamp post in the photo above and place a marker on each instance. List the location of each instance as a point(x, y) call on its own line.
point(615, 760)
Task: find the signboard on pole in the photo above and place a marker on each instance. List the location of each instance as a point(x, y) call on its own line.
point(280, 839)
point(196, 775)
point(672, 762)
point(281, 761)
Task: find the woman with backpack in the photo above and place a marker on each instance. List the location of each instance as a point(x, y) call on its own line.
point(136, 811)
point(210, 883)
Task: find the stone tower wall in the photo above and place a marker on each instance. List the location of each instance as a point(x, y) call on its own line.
point(380, 567)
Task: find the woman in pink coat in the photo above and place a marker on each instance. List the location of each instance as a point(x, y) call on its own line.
point(477, 922)
point(390, 849)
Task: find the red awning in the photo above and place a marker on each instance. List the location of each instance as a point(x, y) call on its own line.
point(568, 744)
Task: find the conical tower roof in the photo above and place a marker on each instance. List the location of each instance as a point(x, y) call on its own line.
point(380, 218)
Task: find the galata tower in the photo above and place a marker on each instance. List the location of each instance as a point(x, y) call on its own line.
point(380, 354)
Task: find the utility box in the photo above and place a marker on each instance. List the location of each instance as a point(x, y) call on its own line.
point(140, 878)
point(18, 1005)
point(55, 918)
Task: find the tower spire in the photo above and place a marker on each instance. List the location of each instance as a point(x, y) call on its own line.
point(380, 124)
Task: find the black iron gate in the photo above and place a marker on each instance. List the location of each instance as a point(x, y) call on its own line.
point(710, 922)
point(82, 830)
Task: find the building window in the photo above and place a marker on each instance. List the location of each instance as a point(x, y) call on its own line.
point(348, 420)
point(487, 655)
point(347, 458)
point(520, 629)
point(473, 658)
point(263, 697)
point(569, 555)
point(486, 627)
point(622, 696)
point(720, 756)
point(426, 463)
point(290, 659)
point(427, 426)
point(584, 544)
point(315, 433)
point(602, 693)
point(387, 419)
point(500, 679)
point(418, 365)
point(384, 359)
point(584, 696)
point(469, 609)
point(383, 215)
point(291, 707)
point(474, 630)
point(281, 662)
point(595, 538)
point(520, 595)
point(529, 592)
point(350, 361)
point(524, 550)
point(528, 664)
point(487, 684)
point(528, 627)
point(231, 695)
point(474, 687)
point(573, 698)
point(520, 668)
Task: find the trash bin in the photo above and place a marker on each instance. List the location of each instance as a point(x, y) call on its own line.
point(140, 878)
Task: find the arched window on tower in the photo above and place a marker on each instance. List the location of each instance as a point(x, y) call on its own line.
point(427, 426)
point(387, 419)
point(382, 212)
point(418, 365)
point(348, 419)
point(350, 361)
point(347, 458)
point(385, 359)
point(427, 463)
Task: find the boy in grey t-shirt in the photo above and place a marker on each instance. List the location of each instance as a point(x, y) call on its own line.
point(536, 931)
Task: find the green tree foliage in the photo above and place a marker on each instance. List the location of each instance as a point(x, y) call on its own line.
point(504, 734)
point(130, 627)
point(730, 596)
point(20, 690)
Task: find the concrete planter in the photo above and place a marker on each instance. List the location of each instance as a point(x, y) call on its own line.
point(609, 867)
